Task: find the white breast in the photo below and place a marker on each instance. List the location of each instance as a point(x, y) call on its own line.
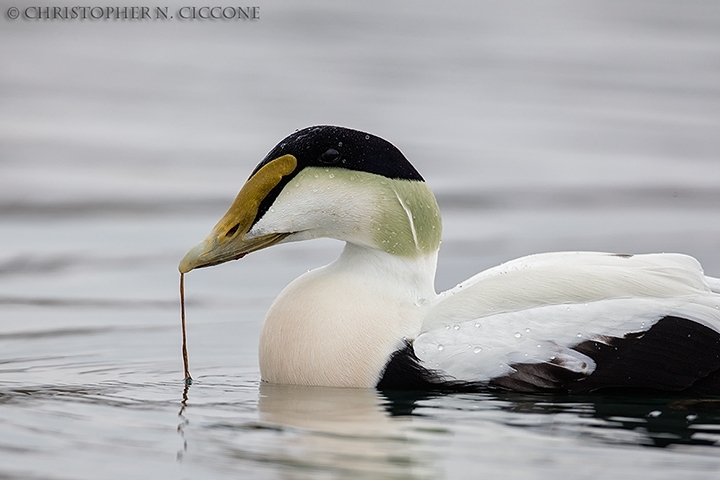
point(338, 325)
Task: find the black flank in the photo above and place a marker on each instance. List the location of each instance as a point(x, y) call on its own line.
point(672, 356)
point(404, 372)
point(675, 355)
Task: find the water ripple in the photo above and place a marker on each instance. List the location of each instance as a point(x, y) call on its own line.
point(89, 302)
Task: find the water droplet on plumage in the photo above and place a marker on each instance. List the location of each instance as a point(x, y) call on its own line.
point(440, 347)
point(527, 330)
point(579, 335)
point(518, 334)
point(367, 137)
point(654, 414)
point(477, 350)
point(477, 324)
point(456, 327)
point(332, 175)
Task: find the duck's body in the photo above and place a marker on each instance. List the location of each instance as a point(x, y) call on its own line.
point(569, 322)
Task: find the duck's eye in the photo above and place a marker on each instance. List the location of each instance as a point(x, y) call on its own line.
point(232, 231)
point(330, 156)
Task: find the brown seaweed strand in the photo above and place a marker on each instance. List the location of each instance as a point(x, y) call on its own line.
point(188, 378)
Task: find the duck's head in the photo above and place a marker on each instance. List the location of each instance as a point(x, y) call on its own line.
point(327, 181)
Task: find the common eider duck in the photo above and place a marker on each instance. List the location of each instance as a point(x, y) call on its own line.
point(573, 322)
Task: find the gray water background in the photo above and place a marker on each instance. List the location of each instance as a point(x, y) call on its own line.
point(541, 126)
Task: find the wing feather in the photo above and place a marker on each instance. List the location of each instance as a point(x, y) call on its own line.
point(548, 321)
point(566, 278)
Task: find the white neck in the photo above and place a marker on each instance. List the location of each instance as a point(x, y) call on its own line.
point(339, 324)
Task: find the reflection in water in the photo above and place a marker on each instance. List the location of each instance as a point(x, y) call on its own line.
point(614, 419)
point(399, 402)
point(619, 419)
point(183, 420)
point(345, 430)
point(301, 432)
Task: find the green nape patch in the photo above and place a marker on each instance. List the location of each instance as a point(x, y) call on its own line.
point(397, 216)
point(411, 225)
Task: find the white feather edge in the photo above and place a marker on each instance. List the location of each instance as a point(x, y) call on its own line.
point(713, 284)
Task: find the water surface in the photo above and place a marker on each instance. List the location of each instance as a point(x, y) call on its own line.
point(541, 126)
